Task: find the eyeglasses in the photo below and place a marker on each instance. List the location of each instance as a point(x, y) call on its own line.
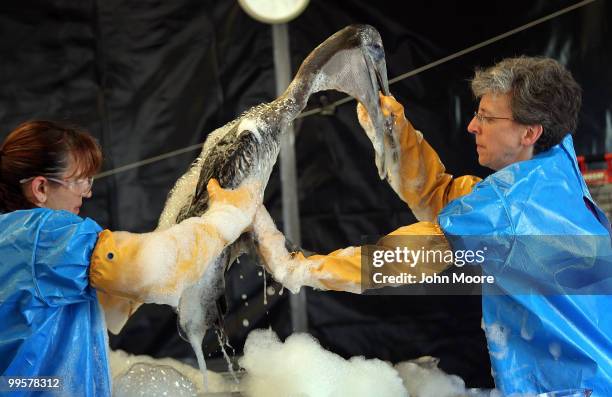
point(78, 186)
point(487, 119)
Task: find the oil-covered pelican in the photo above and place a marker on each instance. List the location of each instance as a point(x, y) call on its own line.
point(351, 61)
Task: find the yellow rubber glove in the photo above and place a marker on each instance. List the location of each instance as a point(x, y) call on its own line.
point(156, 267)
point(417, 175)
point(341, 270)
point(117, 310)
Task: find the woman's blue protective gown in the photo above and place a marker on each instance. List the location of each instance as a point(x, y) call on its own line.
point(548, 317)
point(51, 321)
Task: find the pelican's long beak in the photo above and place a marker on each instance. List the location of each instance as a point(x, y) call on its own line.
point(377, 67)
point(374, 57)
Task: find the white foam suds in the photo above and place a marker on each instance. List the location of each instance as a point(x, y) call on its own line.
point(421, 381)
point(313, 371)
point(218, 215)
point(156, 254)
point(297, 367)
point(245, 323)
point(250, 125)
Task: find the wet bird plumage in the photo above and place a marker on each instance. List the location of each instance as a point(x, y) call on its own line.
point(350, 61)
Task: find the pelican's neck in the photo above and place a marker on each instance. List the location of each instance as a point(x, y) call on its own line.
point(301, 88)
point(295, 98)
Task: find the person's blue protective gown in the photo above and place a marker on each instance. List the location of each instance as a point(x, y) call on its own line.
point(52, 323)
point(543, 333)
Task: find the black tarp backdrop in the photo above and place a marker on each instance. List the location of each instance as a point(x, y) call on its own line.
point(149, 77)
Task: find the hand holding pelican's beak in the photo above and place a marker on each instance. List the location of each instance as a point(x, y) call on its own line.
point(389, 107)
point(384, 128)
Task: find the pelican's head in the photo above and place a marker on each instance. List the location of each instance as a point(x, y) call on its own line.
point(350, 61)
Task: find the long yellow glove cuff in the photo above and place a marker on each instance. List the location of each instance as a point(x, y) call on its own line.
point(417, 176)
point(291, 270)
point(156, 267)
point(117, 310)
point(341, 270)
